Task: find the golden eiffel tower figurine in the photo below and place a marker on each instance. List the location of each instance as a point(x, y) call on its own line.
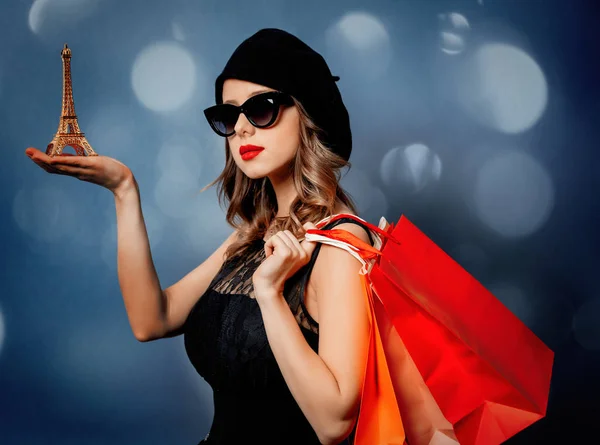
point(68, 133)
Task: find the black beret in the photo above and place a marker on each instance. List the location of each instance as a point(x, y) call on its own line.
point(279, 60)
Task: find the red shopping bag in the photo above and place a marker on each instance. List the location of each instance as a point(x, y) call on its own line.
point(395, 403)
point(485, 371)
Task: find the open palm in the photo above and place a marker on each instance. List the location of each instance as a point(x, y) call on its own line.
point(102, 170)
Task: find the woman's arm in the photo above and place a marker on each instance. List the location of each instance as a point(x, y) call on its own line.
point(155, 313)
point(144, 300)
point(326, 386)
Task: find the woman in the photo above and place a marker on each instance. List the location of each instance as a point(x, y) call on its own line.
point(277, 326)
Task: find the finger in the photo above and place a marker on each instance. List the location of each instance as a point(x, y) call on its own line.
point(293, 242)
point(75, 161)
point(78, 172)
point(276, 242)
point(287, 237)
point(32, 150)
point(45, 166)
point(38, 156)
point(63, 159)
point(33, 153)
point(308, 225)
point(308, 246)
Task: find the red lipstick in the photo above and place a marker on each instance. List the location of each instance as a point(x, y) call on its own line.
point(250, 151)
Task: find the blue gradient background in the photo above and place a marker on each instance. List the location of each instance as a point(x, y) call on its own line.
point(71, 371)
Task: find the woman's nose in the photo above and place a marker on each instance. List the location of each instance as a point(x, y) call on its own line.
point(243, 125)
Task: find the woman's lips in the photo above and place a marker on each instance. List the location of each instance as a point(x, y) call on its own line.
point(250, 151)
point(251, 154)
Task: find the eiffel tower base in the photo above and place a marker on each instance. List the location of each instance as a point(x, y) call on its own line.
point(79, 143)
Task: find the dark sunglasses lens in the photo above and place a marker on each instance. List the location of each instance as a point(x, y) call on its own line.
point(262, 111)
point(223, 119)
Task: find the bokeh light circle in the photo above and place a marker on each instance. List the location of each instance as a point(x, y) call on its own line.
point(513, 194)
point(49, 19)
point(361, 42)
point(410, 168)
point(453, 32)
point(164, 76)
point(503, 88)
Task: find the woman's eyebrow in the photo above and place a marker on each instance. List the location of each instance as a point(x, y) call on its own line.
point(251, 95)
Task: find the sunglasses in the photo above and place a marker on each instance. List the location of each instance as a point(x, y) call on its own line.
point(260, 110)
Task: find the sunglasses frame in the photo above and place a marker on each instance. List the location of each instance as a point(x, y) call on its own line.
point(278, 99)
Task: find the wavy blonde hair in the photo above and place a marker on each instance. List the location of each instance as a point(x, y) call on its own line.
point(253, 204)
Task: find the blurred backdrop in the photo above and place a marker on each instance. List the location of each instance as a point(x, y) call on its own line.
point(479, 120)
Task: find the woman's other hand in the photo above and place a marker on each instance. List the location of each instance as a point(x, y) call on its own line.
point(285, 255)
point(102, 170)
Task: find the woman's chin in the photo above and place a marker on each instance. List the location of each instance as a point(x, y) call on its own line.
point(255, 173)
point(259, 171)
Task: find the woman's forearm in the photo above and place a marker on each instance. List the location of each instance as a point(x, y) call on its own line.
point(144, 300)
point(310, 381)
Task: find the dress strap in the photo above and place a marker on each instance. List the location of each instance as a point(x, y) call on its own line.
point(330, 226)
point(301, 277)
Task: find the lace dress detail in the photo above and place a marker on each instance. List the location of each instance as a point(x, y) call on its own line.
point(226, 342)
point(237, 279)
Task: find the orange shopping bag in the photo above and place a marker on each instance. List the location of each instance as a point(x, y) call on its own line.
point(379, 421)
point(480, 369)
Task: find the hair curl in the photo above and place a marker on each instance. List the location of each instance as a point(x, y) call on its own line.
point(252, 206)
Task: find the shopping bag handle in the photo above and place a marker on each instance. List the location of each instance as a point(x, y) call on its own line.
point(384, 228)
point(363, 252)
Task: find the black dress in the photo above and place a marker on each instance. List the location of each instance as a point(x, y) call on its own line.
point(226, 342)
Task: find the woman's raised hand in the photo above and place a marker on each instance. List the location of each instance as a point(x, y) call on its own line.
point(101, 170)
